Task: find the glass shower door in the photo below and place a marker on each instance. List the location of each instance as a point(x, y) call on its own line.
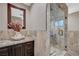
point(59, 31)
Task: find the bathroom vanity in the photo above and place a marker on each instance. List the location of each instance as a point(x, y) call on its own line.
point(17, 48)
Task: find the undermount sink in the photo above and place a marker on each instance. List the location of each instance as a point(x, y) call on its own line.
point(17, 37)
point(12, 39)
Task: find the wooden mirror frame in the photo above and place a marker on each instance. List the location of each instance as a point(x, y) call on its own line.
point(9, 14)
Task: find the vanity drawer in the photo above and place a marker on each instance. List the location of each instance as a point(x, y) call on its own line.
point(30, 44)
point(30, 51)
point(29, 48)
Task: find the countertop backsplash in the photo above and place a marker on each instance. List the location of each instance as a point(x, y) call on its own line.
point(9, 33)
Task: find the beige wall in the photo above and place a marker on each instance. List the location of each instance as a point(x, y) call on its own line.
point(38, 17)
point(73, 22)
point(3, 16)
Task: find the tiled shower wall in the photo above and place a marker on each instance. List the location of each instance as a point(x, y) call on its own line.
point(73, 41)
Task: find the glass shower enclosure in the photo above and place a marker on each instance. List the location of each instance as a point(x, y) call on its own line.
point(57, 28)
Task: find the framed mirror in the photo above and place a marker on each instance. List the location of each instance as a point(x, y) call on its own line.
point(16, 14)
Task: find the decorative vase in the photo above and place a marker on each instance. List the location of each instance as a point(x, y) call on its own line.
point(18, 36)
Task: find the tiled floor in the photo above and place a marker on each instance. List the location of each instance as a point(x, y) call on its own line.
point(55, 49)
point(57, 52)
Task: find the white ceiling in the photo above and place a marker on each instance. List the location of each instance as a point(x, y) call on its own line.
point(27, 4)
point(73, 7)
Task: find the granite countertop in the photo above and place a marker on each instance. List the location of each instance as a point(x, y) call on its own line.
point(8, 42)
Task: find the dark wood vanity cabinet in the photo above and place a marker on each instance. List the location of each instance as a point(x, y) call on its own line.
point(4, 52)
point(17, 50)
point(23, 49)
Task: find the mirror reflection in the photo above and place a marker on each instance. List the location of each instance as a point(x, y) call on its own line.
point(16, 15)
